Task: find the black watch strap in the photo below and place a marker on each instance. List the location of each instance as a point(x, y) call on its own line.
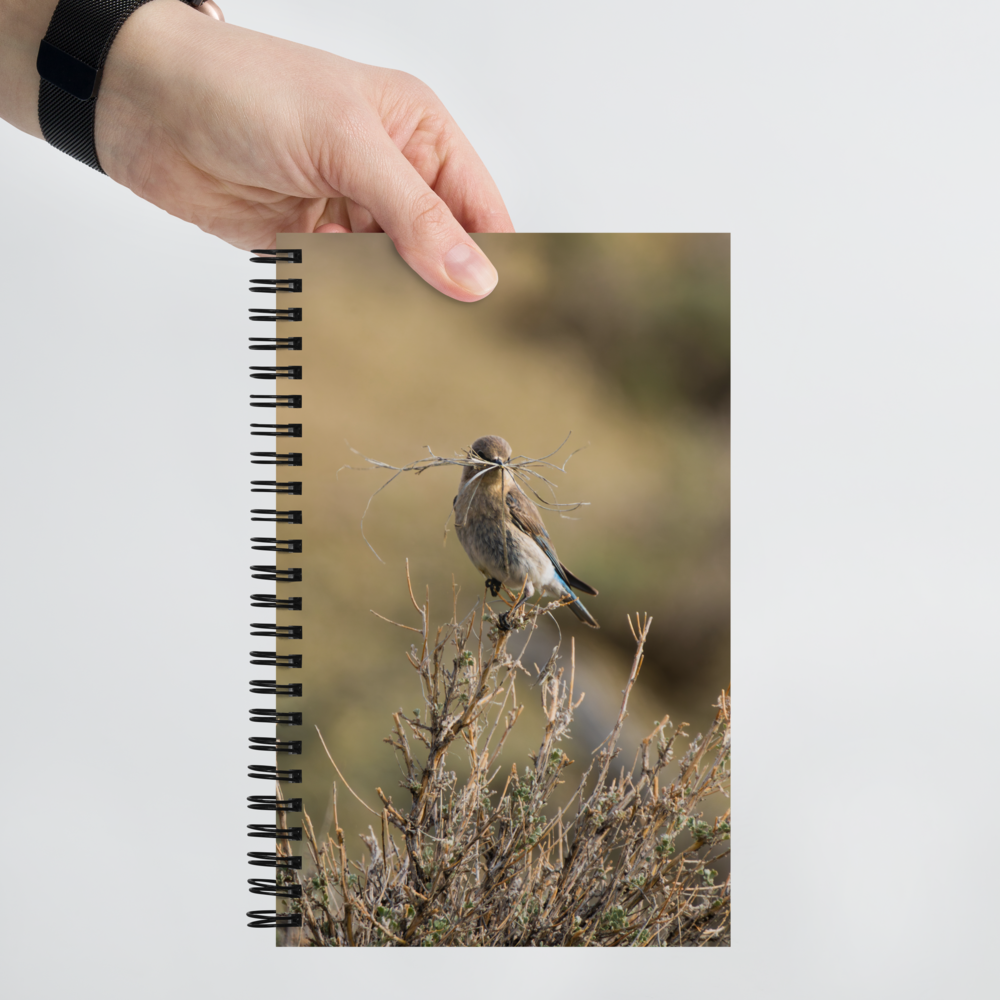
point(70, 62)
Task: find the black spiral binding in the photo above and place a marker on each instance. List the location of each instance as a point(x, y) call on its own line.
point(276, 316)
point(271, 887)
point(275, 343)
point(269, 486)
point(278, 430)
point(273, 601)
point(278, 545)
point(280, 516)
point(273, 256)
point(273, 285)
point(274, 688)
point(293, 402)
point(273, 573)
point(277, 659)
point(272, 918)
point(276, 458)
point(274, 372)
point(277, 831)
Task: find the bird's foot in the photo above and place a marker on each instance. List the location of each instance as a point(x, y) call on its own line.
point(505, 622)
point(493, 585)
point(513, 618)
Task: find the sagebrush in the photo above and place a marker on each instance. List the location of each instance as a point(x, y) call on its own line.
point(487, 860)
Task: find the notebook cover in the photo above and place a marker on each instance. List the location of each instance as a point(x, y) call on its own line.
point(606, 355)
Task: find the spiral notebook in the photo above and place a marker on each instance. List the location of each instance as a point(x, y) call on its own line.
point(491, 594)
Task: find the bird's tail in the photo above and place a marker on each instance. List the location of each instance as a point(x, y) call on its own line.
point(581, 612)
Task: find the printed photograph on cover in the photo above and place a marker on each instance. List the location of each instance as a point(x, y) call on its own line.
point(512, 600)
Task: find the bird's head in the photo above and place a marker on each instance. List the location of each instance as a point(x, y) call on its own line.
point(492, 449)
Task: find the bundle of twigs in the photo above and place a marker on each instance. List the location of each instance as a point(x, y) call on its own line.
point(523, 469)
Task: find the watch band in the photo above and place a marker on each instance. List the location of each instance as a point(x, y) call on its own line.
point(70, 62)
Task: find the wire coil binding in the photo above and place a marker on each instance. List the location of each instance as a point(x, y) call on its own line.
point(277, 631)
point(274, 372)
point(278, 430)
point(276, 315)
point(275, 343)
point(276, 458)
point(291, 402)
point(270, 486)
point(280, 516)
point(271, 744)
point(268, 772)
point(273, 601)
point(277, 831)
point(275, 718)
point(273, 573)
point(269, 859)
point(277, 544)
point(276, 284)
point(271, 918)
point(273, 687)
point(272, 887)
point(270, 831)
point(274, 256)
point(271, 803)
point(277, 659)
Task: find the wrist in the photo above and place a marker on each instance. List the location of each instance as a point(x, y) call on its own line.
point(23, 26)
point(152, 66)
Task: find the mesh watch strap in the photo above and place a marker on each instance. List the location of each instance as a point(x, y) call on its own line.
point(70, 62)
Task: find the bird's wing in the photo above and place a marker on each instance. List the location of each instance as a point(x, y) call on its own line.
point(525, 516)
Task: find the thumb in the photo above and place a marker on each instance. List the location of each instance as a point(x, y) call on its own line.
point(426, 234)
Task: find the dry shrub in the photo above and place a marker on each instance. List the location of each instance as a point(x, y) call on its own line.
point(487, 861)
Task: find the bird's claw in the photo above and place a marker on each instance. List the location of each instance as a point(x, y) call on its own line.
point(493, 585)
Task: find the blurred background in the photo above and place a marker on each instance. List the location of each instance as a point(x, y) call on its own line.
point(864, 299)
point(621, 342)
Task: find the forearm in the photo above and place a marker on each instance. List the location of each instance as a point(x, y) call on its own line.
point(23, 24)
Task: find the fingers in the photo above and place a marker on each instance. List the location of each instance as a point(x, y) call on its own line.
point(342, 215)
point(426, 233)
point(404, 167)
point(432, 141)
point(361, 219)
point(467, 188)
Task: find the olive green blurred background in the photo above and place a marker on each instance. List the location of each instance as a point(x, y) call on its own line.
point(622, 340)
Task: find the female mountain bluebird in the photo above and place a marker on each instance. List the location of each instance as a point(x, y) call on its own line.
point(524, 561)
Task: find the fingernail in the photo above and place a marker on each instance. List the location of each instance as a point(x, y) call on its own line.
point(468, 266)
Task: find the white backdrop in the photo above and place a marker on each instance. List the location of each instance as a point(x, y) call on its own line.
point(852, 151)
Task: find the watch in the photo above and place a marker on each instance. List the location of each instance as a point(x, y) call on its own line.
point(70, 63)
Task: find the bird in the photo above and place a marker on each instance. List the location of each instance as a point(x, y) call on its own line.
point(502, 532)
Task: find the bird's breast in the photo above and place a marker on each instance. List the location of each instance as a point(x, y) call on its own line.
point(497, 547)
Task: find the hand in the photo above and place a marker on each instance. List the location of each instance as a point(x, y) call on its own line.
point(246, 136)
